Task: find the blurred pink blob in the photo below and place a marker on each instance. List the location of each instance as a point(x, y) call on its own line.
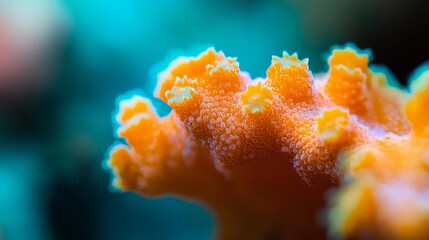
point(8, 59)
point(32, 34)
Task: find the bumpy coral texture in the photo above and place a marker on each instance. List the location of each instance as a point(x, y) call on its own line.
point(261, 153)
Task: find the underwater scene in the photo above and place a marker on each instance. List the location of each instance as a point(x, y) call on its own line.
point(214, 119)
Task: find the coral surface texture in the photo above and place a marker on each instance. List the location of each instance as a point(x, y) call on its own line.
point(344, 154)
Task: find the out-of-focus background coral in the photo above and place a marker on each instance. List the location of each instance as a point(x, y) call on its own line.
point(63, 63)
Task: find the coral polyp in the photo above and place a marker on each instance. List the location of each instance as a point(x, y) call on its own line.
point(262, 153)
point(256, 99)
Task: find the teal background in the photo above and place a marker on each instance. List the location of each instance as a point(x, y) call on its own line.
point(53, 141)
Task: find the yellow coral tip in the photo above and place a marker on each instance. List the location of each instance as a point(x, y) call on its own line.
point(228, 64)
point(289, 60)
point(185, 81)
point(256, 99)
point(179, 95)
point(332, 124)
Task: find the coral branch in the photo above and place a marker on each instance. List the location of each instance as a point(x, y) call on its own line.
point(233, 143)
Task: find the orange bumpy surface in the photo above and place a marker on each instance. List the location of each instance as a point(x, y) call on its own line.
point(261, 153)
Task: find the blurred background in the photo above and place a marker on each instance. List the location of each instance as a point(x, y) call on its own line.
point(63, 63)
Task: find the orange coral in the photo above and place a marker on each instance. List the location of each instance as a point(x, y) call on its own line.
point(387, 192)
point(233, 143)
